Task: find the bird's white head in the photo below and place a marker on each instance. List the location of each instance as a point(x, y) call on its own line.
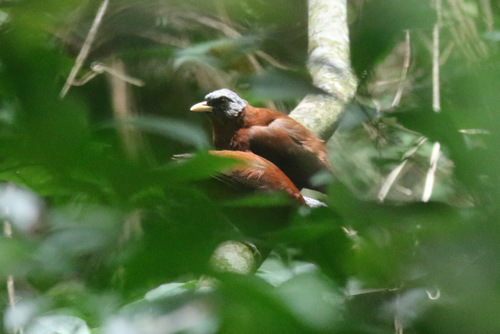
point(223, 102)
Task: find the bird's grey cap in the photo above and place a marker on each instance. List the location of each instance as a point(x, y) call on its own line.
point(234, 104)
point(224, 92)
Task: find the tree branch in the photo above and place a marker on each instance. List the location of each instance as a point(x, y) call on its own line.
point(235, 257)
point(329, 65)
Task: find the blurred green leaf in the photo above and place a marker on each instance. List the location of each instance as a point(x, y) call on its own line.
point(314, 300)
point(15, 257)
point(275, 272)
point(170, 128)
point(216, 51)
point(261, 200)
point(251, 299)
point(60, 324)
point(373, 35)
point(282, 85)
point(187, 168)
point(169, 290)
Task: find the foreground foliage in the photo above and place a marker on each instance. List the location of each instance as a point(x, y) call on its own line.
point(111, 235)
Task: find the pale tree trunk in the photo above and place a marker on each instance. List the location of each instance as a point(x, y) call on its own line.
point(329, 65)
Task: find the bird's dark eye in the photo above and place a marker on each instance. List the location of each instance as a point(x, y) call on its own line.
point(221, 102)
point(225, 99)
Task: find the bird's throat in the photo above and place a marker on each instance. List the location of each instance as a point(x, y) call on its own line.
point(225, 133)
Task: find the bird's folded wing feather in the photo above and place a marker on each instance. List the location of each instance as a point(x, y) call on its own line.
point(285, 135)
point(255, 172)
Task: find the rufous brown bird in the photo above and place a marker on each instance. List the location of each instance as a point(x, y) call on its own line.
point(251, 173)
point(238, 126)
point(256, 173)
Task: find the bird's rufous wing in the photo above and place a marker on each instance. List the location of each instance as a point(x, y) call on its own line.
point(286, 135)
point(292, 148)
point(255, 172)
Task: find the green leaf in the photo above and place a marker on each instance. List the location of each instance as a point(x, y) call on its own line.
point(171, 128)
point(275, 272)
point(60, 324)
point(313, 300)
point(192, 167)
point(283, 85)
point(170, 290)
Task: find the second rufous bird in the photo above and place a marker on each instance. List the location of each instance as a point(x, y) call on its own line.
point(238, 126)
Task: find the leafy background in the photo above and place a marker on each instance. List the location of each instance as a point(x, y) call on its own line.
point(110, 235)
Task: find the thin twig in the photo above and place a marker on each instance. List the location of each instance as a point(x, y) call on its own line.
point(386, 82)
point(434, 296)
point(429, 180)
point(411, 152)
point(475, 131)
point(86, 78)
point(223, 27)
point(398, 325)
point(404, 71)
point(389, 181)
point(391, 178)
point(123, 109)
point(469, 29)
point(11, 290)
point(461, 41)
point(101, 68)
point(7, 230)
point(466, 32)
point(398, 322)
point(84, 51)
point(446, 53)
point(370, 291)
point(488, 14)
point(271, 60)
point(436, 99)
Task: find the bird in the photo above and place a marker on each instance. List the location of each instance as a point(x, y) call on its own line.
point(256, 173)
point(246, 174)
point(238, 126)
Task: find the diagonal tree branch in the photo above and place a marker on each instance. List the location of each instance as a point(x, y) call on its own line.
point(329, 65)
